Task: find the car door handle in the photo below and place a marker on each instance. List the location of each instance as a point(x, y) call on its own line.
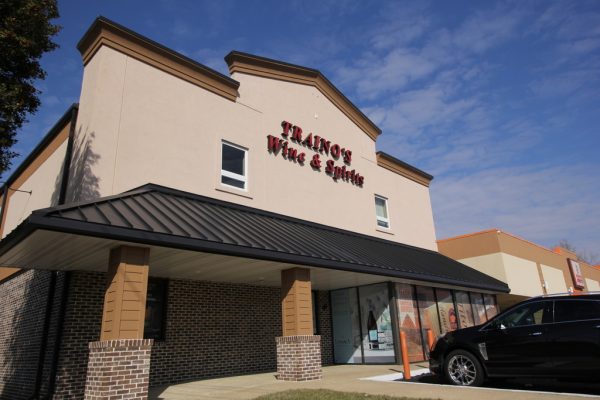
point(535, 334)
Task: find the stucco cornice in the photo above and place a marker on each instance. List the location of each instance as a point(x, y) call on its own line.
point(401, 168)
point(104, 32)
point(274, 69)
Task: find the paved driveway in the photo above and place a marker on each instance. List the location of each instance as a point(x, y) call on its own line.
point(348, 378)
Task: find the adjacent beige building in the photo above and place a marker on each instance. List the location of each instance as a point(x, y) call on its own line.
point(528, 269)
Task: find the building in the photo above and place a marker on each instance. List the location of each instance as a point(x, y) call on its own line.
point(527, 268)
point(190, 225)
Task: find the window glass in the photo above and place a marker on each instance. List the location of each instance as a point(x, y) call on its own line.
point(576, 310)
point(156, 299)
point(490, 305)
point(536, 313)
point(233, 166)
point(447, 311)
point(408, 319)
point(315, 312)
point(478, 308)
point(381, 211)
point(346, 326)
point(376, 324)
point(428, 311)
point(465, 311)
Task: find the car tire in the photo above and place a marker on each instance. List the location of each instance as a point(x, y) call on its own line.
point(462, 368)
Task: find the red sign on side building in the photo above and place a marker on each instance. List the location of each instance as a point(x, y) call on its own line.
point(578, 281)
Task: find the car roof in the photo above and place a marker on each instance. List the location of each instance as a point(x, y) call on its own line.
point(574, 296)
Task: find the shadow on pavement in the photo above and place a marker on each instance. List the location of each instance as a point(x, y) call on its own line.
point(534, 384)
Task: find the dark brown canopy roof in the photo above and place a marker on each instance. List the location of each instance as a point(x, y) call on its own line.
point(156, 215)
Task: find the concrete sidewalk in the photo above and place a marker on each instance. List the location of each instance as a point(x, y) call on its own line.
point(344, 378)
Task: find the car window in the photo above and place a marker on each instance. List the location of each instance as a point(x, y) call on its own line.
point(528, 314)
point(576, 310)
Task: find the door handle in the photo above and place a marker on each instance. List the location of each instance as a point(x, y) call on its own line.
point(535, 334)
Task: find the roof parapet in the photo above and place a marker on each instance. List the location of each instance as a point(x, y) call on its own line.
point(401, 168)
point(104, 32)
point(274, 69)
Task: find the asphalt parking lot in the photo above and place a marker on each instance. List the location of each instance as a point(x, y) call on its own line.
point(532, 385)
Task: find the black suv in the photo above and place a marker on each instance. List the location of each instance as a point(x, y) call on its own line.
point(555, 336)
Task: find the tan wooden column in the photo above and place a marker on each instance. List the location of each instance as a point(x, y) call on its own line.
point(296, 302)
point(125, 297)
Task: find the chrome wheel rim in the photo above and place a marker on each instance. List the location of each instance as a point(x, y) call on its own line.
point(462, 370)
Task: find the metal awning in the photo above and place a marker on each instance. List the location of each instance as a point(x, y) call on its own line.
point(184, 224)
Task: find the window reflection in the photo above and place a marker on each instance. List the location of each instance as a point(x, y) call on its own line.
point(465, 311)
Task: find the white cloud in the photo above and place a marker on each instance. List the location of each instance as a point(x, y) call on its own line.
point(541, 203)
point(416, 110)
point(563, 83)
point(486, 29)
point(374, 75)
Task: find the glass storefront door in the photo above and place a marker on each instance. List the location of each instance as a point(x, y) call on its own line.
point(362, 325)
point(376, 324)
point(346, 328)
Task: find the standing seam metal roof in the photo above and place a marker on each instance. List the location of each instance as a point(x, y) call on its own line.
point(162, 216)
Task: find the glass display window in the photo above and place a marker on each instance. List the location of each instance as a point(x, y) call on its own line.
point(464, 309)
point(448, 317)
point(428, 311)
point(491, 309)
point(409, 321)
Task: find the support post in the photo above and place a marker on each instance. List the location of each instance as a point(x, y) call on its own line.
point(119, 364)
point(298, 350)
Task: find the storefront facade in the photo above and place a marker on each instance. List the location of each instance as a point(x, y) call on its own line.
point(366, 320)
point(215, 226)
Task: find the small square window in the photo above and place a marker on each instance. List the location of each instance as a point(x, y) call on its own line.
point(233, 166)
point(382, 212)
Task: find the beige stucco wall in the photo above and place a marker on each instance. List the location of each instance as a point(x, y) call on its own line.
point(555, 279)
point(522, 276)
point(44, 184)
point(592, 284)
point(490, 264)
point(138, 125)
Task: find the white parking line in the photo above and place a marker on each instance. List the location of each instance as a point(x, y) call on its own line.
point(395, 377)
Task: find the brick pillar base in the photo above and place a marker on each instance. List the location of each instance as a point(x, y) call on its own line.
point(299, 358)
point(118, 369)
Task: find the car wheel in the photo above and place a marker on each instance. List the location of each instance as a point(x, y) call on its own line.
point(463, 368)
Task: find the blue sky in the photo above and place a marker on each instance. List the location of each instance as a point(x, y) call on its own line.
point(500, 101)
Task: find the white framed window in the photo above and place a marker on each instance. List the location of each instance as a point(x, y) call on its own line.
point(234, 166)
point(381, 211)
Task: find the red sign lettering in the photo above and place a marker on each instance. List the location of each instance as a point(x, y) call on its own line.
point(318, 144)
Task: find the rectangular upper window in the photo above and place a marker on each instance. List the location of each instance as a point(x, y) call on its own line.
point(381, 211)
point(234, 166)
